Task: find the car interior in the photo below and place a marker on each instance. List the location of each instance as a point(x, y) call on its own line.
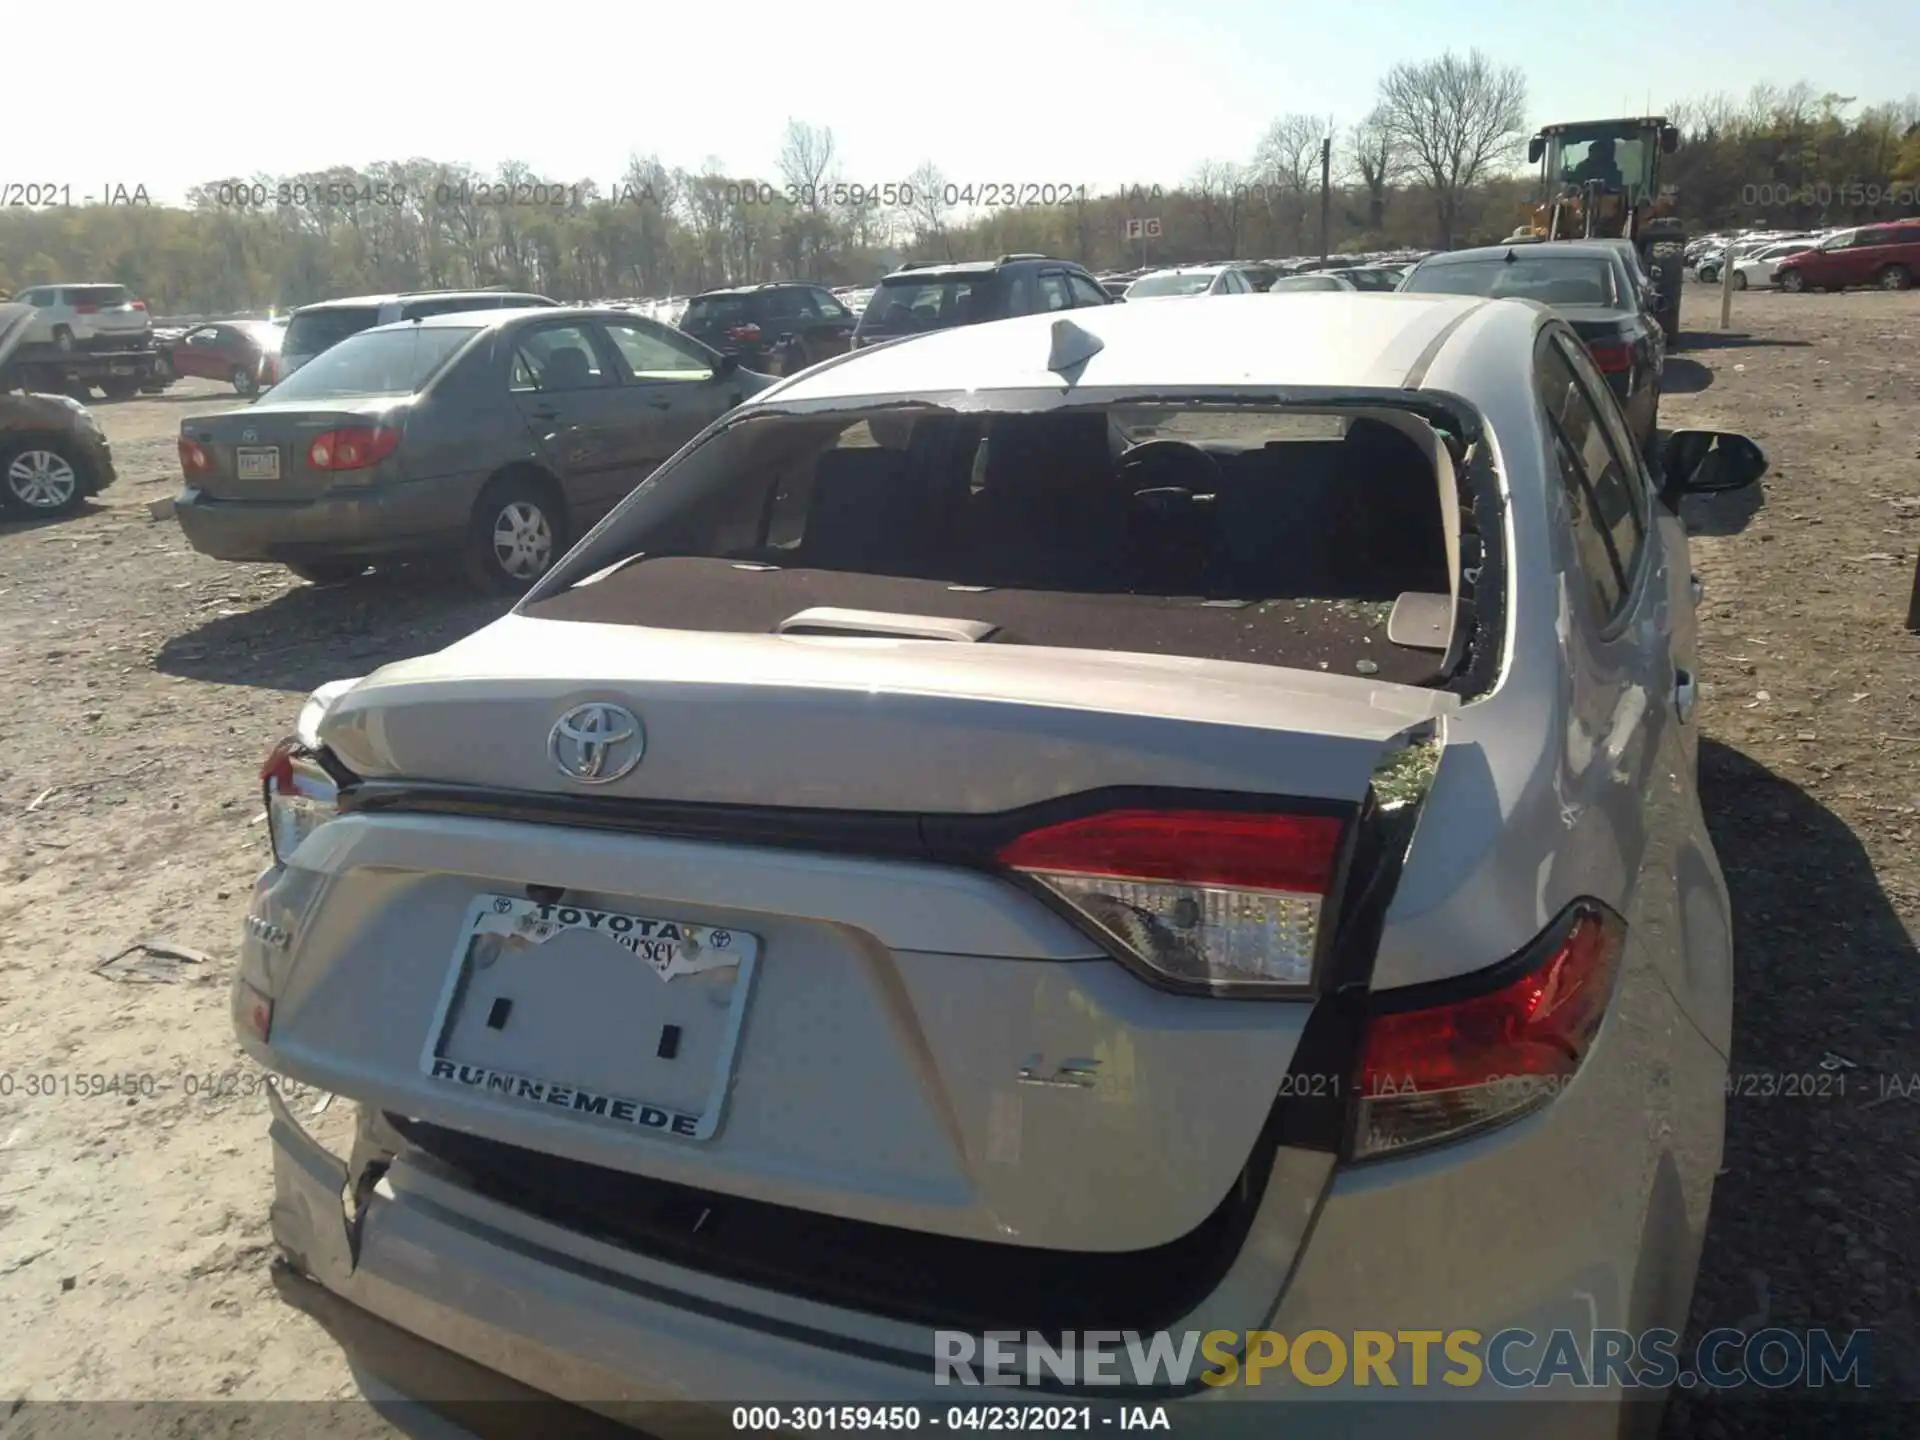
point(1059, 528)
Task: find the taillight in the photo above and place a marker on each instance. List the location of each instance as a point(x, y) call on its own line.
point(299, 796)
point(138, 304)
point(1439, 1071)
point(1612, 359)
point(254, 1007)
point(354, 448)
point(193, 457)
point(744, 334)
point(1221, 902)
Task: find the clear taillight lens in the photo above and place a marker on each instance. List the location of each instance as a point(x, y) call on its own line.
point(1218, 902)
point(1441, 1071)
point(300, 797)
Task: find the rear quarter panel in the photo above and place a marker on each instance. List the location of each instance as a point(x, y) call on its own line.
point(465, 424)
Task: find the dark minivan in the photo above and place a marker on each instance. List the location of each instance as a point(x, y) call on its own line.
point(933, 296)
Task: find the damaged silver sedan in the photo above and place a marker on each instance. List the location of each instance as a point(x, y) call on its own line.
point(1177, 818)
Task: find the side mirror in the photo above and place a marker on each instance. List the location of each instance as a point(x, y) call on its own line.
point(1708, 462)
point(1669, 139)
point(725, 366)
point(1536, 147)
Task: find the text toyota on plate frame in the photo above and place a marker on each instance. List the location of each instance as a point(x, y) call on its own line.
point(535, 922)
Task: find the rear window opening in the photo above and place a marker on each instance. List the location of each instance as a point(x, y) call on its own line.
point(96, 295)
point(903, 307)
point(1549, 279)
point(711, 310)
point(1326, 540)
point(384, 362)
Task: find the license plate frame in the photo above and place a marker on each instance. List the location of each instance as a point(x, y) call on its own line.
point(250, 462)
point(526, 925)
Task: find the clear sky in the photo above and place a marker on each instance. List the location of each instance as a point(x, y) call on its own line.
point(1084, 92)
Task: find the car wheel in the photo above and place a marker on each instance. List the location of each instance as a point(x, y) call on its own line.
point(243, 381)
point(517, 531)
point(162, 368)
point(328, 572)
point(1739, 280)
point(37, 478)
point(1792, 281)
point(1895, 277)
point(63, 339)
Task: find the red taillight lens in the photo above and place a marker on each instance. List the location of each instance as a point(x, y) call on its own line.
point(139, 304)
point(354, 448)
point(298, 794)
point(254, 1007)
point(744, 334)
point(1612, 359)
point(1216, 901)
point(193, 458)
point(1442, 1071)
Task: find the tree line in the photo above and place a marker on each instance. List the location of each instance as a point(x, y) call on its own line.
point(1437, 161)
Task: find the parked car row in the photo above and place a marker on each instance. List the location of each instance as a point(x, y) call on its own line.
point(1884, 256)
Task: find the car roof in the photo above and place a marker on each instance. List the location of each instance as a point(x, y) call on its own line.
point(1602, 249)
point(398, 297)
point(1211, 268)
point(945, 268)
point(488, 319)
point(725, 290)
point(1336, 338)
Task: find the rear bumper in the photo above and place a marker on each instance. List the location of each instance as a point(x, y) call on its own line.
point(382, 520)
point(1542, 1226)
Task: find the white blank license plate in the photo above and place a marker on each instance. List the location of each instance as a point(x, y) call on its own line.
point(257, 462)
point(605, 1017)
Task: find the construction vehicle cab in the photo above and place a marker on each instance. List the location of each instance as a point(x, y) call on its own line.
point(1600, 179)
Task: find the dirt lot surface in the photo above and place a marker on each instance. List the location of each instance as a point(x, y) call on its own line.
point(144, 683)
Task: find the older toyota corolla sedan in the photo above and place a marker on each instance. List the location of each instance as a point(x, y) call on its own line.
point(1155, 819)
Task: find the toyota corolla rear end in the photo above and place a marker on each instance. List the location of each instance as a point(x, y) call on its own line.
point(769, 954)
point(321, 467)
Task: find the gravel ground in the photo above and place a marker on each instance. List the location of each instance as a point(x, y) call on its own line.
point(146, 683)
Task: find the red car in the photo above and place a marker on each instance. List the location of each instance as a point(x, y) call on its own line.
point(245, 353)
point(1887, 256)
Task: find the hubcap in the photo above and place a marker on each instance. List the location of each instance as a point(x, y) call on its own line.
point(522, 540)
point(41, 479)
point(1890, 280)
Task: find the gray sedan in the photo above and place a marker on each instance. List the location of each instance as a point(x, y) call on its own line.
point(1205, 840)
point(499, 435)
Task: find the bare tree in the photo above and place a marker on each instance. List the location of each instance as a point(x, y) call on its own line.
point(1373, 161)
point(930, 209)
point(1219, 194)
point(1288, 164)
point(1456, 118)
point(806, 162)
point(806, 165)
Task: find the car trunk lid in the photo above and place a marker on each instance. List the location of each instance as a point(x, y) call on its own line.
point(725, 713)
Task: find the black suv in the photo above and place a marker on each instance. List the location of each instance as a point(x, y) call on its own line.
point(938, 296)
point(775, 329)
